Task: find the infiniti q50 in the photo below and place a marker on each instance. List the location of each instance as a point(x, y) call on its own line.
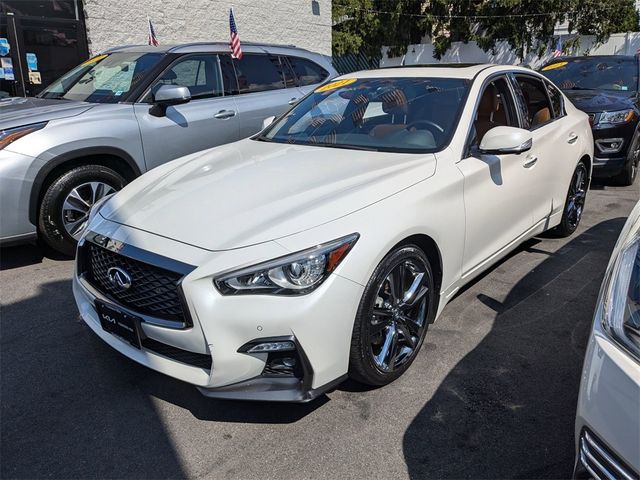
point(325, 246)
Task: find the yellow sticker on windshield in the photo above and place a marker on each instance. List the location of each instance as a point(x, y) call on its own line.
point(554, 65)
point(336, 84)
point(94, 59)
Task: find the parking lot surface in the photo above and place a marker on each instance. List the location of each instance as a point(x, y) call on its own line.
point(491, 395)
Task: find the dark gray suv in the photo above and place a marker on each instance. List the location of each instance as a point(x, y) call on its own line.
point(122, 113)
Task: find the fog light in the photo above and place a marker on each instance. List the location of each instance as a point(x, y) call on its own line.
point(609, 145)
point(272, 347)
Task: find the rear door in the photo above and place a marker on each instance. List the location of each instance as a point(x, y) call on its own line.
point(264, 89)
point(209, 119)
point(555, 142)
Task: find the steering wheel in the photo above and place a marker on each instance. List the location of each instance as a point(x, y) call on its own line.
point(434, 127)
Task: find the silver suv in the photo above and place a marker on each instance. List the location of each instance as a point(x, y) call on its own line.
point(120, 114)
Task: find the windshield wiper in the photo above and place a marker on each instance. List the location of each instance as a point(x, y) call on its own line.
point(347, 147)
point(576, 87)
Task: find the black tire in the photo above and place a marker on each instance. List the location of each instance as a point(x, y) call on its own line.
point(51, 228)
point(574, 204)
point(630, 170)
point(363, 366)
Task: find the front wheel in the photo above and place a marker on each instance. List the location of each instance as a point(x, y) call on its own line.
point(630, 170)
point(396, 308)
point(574, 205)
point(65, 206)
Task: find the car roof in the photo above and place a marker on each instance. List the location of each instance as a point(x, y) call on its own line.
point(455, 70)
point(206, 47)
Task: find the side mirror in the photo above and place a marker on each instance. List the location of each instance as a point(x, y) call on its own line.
point(505, 140)
point(168, 95)
point(268, 121)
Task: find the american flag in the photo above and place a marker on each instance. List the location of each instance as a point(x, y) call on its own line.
point(558, 51)
point(236, 50)
point(152, 39)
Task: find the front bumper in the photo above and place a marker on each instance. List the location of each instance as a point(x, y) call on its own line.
point(607, 419)
point(320, 324)
point(16, 180)
point(608, 164)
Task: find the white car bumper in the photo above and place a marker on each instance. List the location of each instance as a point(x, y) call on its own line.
point(204, 349)
point(608, 416)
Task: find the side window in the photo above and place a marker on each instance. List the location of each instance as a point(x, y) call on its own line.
point(259, 73)
point(534, 95)
point(495, 109)
point(556, 101)
point(228, 75)
point(199, 73)
point(289, 77)
point(308, 73)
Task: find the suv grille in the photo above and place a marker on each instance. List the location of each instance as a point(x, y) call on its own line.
point(601, 463)
point(153, 291)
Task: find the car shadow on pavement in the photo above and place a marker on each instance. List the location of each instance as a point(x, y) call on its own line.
point(71, 406)
point(25, 255)
point(508, 407)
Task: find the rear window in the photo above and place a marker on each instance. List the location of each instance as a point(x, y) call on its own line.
point(259, 73)
point(307, 72)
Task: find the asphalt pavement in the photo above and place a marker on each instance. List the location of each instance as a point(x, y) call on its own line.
point(492, 394)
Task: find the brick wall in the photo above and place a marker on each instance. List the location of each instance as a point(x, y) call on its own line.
point(304, 23)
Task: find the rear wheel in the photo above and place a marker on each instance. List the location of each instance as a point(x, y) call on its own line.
point(574, 205)
point(630, 171)
point(65, 206)
point(396, 308)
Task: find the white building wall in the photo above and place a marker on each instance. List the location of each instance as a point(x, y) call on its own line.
point(303, 23)
point(618, 44)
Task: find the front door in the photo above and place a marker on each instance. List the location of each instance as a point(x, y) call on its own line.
point(496, 194)
point(208, 120)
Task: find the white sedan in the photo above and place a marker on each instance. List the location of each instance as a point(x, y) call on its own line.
point(324, 247)
point(608, 415)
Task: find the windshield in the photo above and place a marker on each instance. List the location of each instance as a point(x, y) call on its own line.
point(592, 73)
point(384, 114)
point(103, 79)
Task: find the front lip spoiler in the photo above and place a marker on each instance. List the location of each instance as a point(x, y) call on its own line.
point(266, 389)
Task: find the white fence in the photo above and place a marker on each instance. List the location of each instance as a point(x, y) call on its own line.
point(618, 44)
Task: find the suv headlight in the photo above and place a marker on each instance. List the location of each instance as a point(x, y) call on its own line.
point(295, 274)
point(617, 117)
point(622, 299)
point(10, 135)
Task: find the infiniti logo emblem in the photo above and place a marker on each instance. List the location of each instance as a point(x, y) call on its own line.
point(119, 278)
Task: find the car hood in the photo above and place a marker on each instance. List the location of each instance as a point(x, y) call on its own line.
point(251, 192)
point(594, 101)
point(17, 111)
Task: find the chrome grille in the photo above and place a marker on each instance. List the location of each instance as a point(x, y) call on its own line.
point(153, 291)
point(600, 462)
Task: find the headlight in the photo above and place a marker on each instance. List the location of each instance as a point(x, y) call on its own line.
point(10, 135)
point(97, 206)
point(620, 116)
point(295, 274)
point(622, 300)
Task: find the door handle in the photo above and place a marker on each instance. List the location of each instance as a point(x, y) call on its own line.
point(572, 138)
point(292, 101)
point(530, 161)
point(225, 114)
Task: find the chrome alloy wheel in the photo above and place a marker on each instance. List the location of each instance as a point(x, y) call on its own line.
point(577, 196)
point(399, 315)
point(78, 203)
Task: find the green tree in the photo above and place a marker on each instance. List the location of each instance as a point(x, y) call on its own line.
point(367, 25)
